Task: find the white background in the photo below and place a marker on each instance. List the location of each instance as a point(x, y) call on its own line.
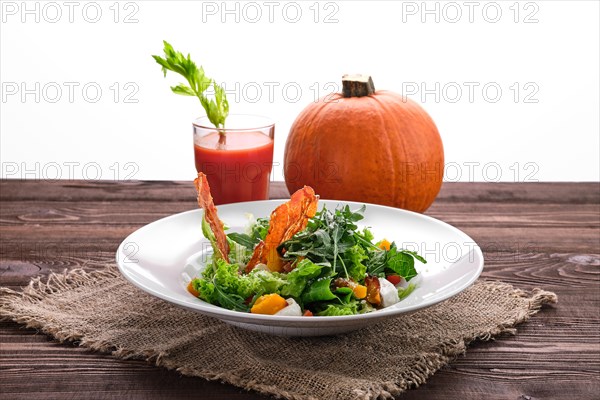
point(543, 55)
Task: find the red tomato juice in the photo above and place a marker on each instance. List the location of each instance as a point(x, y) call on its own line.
point(241, 170)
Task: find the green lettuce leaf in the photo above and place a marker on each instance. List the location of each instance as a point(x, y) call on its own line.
point(208, 233)
point(318, 291)
point(238, 254)
point(228, 278)
point(224, 286)
point(339, 309)
point(266, 282)
point(344, 294)
point(402, 262)
point(298, 278)
point(356, 268)
point(258, 231)
point(404, 292)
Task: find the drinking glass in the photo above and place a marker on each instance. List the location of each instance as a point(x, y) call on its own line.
point(237, 160)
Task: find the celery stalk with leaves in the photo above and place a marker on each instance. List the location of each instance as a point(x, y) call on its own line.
point(217, 108)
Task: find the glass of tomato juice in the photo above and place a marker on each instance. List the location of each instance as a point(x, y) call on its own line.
point(237, 160)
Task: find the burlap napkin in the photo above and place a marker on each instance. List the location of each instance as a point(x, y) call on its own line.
point(102, 311)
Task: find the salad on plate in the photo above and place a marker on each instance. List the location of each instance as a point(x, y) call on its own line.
point(301, 261)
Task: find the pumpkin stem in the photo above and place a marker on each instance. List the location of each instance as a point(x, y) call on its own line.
point(357, 85)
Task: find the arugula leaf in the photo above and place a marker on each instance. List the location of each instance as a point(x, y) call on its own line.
point(365, 239)
point(314, 245)
point(377, 262)
point(256, 233)
point(353, 216)
point(242, 239)
point(217, 109)
point(328, 240)
point(415, 255)
point(231, 301)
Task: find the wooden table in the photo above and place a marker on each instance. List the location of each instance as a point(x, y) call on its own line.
point(532, 235)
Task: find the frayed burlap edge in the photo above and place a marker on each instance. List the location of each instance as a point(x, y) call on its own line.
point(38, 290)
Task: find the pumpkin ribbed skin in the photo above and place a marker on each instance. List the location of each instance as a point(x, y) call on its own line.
point(381, 148)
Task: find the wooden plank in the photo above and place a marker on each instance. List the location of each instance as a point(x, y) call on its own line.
point(35, 190)
point(486, 214)
point(454, 192)
point(542, 193)
point(67, 371)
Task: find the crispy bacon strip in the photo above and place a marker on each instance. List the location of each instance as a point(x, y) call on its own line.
point(257, 256)
point(373, 290)
point(205, 201)
point(286, 220)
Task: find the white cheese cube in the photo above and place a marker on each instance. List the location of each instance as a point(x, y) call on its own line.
point(291, 310)
point(388, 292)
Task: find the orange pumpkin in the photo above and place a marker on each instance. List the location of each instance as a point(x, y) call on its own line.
point(367, 146)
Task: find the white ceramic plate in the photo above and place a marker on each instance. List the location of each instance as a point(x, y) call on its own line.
point(162, 257)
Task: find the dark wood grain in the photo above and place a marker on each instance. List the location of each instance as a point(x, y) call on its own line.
point(533, 235)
